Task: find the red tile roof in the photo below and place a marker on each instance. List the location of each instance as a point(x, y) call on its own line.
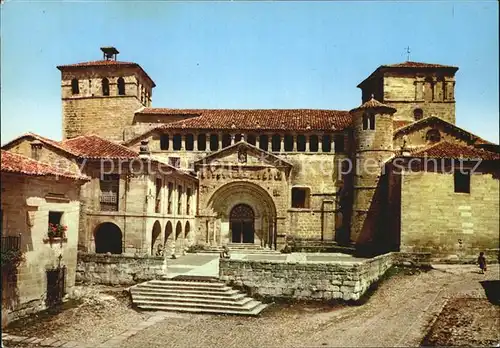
point(19, 164)
point(374, 104)
point(93, 146)
point(409, 64)
point(451, 150)
point(98, 63)
point(258, 119)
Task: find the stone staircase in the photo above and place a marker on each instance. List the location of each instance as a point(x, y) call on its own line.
point(193, 295)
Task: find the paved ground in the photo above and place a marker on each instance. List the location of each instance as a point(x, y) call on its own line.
point(399, 313)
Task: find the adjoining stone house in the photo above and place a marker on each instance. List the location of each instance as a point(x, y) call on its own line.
point(35, 195)
point(270, 174)
point(132, 203)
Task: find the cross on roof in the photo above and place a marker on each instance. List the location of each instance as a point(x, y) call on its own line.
point(407, 50)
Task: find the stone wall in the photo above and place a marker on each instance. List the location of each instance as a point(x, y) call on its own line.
point(305, 280)
point(117, 269)
point(450, 225)
point(26, 203)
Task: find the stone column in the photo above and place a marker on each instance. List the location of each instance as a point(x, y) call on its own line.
point(170, 142)
point(183, 142)
point(332, 143)
point(220, 140)
point(207, 142)
point(320, 143)
point(257, 140)
point(294, 149)
point(282, 143)
point(308, 141)
point(195, 142)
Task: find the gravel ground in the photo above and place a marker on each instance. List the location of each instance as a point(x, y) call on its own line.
point(96, 314)
point(399, 313)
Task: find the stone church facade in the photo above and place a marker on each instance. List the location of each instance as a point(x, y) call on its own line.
point(317, 177)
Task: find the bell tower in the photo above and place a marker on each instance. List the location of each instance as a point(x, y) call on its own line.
point(100, 97)
point(372, 123)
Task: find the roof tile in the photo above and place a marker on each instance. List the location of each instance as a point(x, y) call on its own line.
point(14, 163)
point(93, 146)
point(451, 150)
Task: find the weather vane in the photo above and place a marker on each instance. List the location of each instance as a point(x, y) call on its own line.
point(408, 53)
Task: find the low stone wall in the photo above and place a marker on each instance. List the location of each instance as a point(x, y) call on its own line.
point(415, 259)
point(117, 269)
point(305, 280)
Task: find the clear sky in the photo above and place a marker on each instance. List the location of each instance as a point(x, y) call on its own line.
point(246, 54)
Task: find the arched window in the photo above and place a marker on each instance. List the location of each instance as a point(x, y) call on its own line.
point(121, 86)
point(75, 88)
point(177, 142)
point(105, 86)
point(372, 121)
point(164, 140)
point(108, 239)
point(418, 114)
point(226, 140)
point(202, 142)
point(276, 143)
point(189, 142)
point(214, 142)
point(313, 143)
point(264, 142)
point(365, 121)
point(301, 143)
point(251, 139)
point(326, 144)
point(433, 136)
point(339, 143)
point(288, 140)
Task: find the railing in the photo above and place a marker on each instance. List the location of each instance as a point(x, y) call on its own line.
point(11, 243)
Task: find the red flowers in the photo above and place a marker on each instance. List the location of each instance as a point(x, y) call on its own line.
point(56, 230)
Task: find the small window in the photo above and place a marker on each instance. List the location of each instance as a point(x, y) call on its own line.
point(177, 142)
point(109, 186)
point(288, 140)
point(36, 150)
point(418, 114)
point(55, 227)
point(55, 217)
point(433, 136)
point(75, 88)
point(276, 143)
point(174, 161)
point(226, 140)
point(264, 142)
point(121, 86)
point(301, 143)
point(202, 142)
point(365, 122)
point(164, 140)
point(300, 197)
point(339, 143)
point(105, 86)
point(326, 144)
point(214, 142)
point(462, 182)
point(189, 142)
point(238, 137)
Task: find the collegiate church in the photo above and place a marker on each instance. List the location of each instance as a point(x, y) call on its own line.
point(394, 173)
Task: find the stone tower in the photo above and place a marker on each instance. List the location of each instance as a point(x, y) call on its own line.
point(416, 90)
point(101, 97)
point(373, 128)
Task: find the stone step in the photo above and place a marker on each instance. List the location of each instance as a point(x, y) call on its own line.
point(247, 306)
point(227, 293)
point(182, 287)
point(232, 296)
point(187, 283)
point(139, 299)
point(255, 311)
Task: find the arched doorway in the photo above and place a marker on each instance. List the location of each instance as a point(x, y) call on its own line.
point(168, 238)
point(108, 239)
point(154, 236)
point(242, 224)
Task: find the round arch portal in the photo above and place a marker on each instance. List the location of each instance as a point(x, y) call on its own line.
point(108, 238)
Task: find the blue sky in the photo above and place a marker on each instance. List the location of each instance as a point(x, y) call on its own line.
point(246, 54)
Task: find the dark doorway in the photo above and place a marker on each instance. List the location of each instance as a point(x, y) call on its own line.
point(108, 239)
point(242, 220)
